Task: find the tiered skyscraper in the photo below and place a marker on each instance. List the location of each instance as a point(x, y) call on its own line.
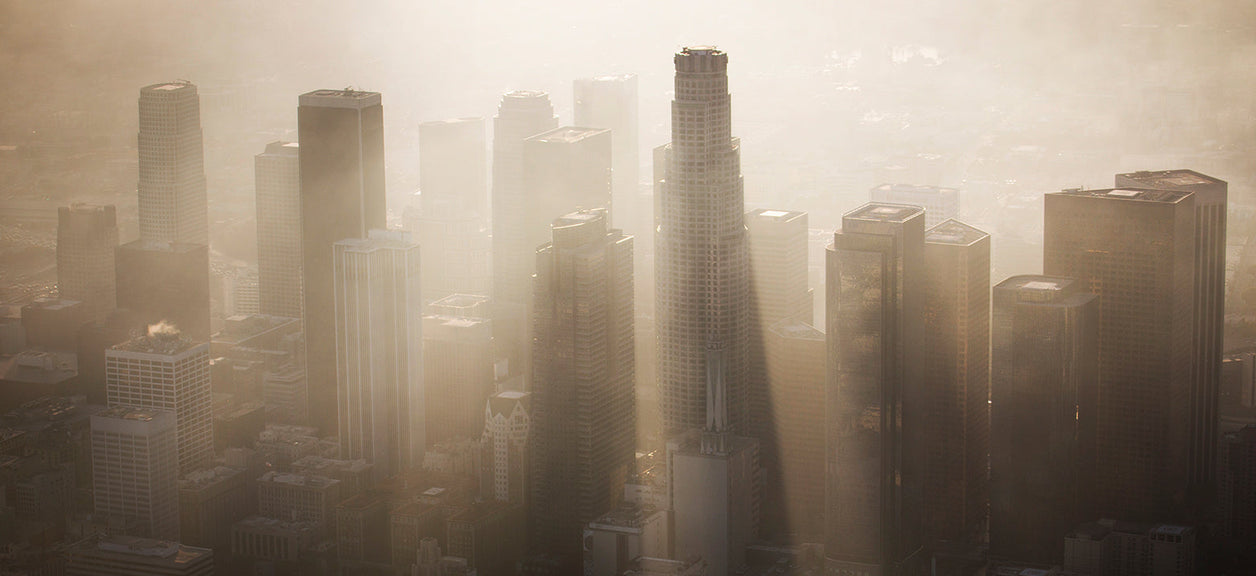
point(172, 197)
point(277, 177)
point(522, 114)
point(165, 371)
point(1045, 369)
point(584, 408)
point(342, 197)
point(1211, 197)
point(87, 236)
point(873, 429)
point(956, 382)
point(1135, 249)
point(702, 269)
point(611, 102)
point(378, 341)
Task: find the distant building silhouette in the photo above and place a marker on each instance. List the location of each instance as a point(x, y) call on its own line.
point(277, 176)
point(163, 282)
point(379, 367)
point(522, 114)
point(1044, 380)
point(452, 230)
point(940, 204)
point(874, 403)
point(1135, 249)
point(342, 196)
point(610, 101)
point(583, 401)
point(87, 236)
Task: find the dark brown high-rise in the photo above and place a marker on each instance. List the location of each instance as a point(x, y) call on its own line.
point(1210, 233)
point(342, 196)
point(1135, 249)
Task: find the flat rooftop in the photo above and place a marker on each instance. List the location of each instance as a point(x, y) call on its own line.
point(153, 551)
point(954, 232)
point(461, 301)
point(1035, 282)
point(347, 98)
point(914, 189)
point(281, 148)
point(168, 87)
point(568, 135)
point(129, 413)
point(1130, 194)
point(161, 343)
point(775, 215)
point(884, 212)
point(1170, 178)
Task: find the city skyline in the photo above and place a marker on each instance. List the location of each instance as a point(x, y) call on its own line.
point(537, 356)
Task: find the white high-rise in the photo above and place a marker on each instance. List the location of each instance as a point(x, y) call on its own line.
point(166, 371)
point(171, 185)
point(135, 471)
point(702, 269)
point(379, 336)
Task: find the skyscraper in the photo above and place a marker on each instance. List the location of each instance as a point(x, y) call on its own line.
point(794, 502)
point(172, 197)
point(610, 101)
point(702, 269)
point(873, 430)
point(87, 236)
point(135, 471)
point(452, 232)
point(956, 381)
point(1045, 373)
point(164, 282)
point(1211, 198)
point(522, 114)
point(457, 375)
point(342, 196)
point(1135, 249)
point(777, 241)
point(584, 411)
point(379, 333)
point(453, 167)
point(564, 170)
point(277, 177)
point(165, 371)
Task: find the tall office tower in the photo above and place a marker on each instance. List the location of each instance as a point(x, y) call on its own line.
point(522, 114)
point(87, 236)
point(165, 282)
point(940, 204)
point(453, 168)
point(342, 196)
point(172, 198)
point(714, 482)
point(956, 382)
point(564, 170)
point(702, 269)
point(1044, 373)
point(165, 371)
point(452, 231)
point(1135, 249)
point(794, 502)
point(379, 334)
point(507, 420)
point(611, 102)
point(873, 437)
point(584, 408)
point(135, 477)
point(1211, 197)
point(457, 375)
point(777, 241)
point(277, 177)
